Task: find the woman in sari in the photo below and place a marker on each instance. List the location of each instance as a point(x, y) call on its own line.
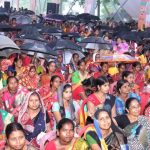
point(13, 95)
point(136, 128)
point(81, 74)
point(66, 107)
point(19, 68)
point(33, 117)
point(101, 136)
point(15, 138)
point(49, 95)
point(138, 75)
point(65, 137)
point(129, 76)
point(101, 98)
point(123, 93)
point(31, 80)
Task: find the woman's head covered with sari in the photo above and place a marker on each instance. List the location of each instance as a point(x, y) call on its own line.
point(23, 114)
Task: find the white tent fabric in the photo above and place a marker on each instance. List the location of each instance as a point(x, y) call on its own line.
point(132, 7)
point(6, 42)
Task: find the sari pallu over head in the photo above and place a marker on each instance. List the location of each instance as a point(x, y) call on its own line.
point(32, 127)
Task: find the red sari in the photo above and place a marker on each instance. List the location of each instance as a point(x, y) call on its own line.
point(139, 80)
point(77, 90)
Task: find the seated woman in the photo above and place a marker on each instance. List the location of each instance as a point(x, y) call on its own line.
point(33, 117)
point(123, 93)
point(66, 107)
point(81, 74)
point(15, 138)
point(101, 98)
point(31, 80)
point(136, 128)
point(129, 76)
point(49, 95)
point(66, 139)
point(100, 135)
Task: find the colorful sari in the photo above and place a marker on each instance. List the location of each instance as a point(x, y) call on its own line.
point(139, 80)
point(48, 100)
point(77, 89)
point(120, 104)
point(78, 78)
point(77, 145)
point(35, 126)
point(31, 83)
point(108, 104)
point(138, 134)
point(12, 102)
point(93, 135)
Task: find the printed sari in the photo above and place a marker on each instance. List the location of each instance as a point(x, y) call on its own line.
point(48, 100)
point(93, 135)
point(138, 134)
point(32, 127)
point(31, 83)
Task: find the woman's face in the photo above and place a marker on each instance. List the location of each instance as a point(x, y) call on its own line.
point(138, 68)
point(104, 120)
point(34, 102)
point(56, 83)
point(82, 66)
point(13, 85)
point(16, 140)
point(19, 63)
point(66, 133)
point(125, 89)
point(134, 108)
point(104, 88)
point(67, 94)
point(105, 68)
point(130, 78)
point(32, 72)
point(122, 68)
point(52, 67)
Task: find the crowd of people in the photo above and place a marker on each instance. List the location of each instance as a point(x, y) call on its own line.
point(80, 105)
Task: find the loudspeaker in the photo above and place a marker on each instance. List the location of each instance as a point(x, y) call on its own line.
point(52, 8)
point(7, 5)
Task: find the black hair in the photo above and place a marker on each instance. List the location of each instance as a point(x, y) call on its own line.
point(13, 127)
point(80, 61)
point(53, 78)
point(120, 83)
point(135, 64)
point(101, 81)
point(51, 63)
point(66, 86)
point(128, 102)
point(32, 67)
point(104, 63)
point(64, 121)
point(125, 74)
point(11, 77)
point(89, 82)
point(75, 55)
point(121, 64)
point(98, 111)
